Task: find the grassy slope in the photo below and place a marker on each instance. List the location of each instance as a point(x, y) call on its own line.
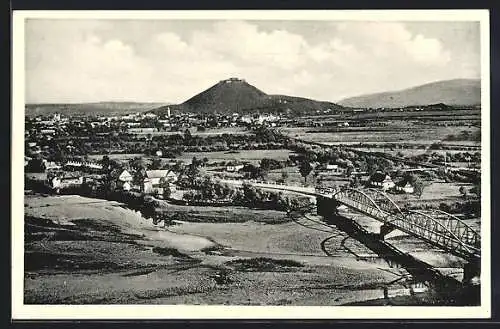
point(91, 251)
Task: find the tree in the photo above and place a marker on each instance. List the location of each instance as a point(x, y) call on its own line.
point(155, 164)
point(35, 165)
point(193, 169)
point(305, 169)
point(105, 162)
point(463, 191)
point(253, 172)
point(349, 171)
point(138, 177)
point(178, 166)
point(354, 182)
point(137, 164)
point(166, 188)
point(187, 135)
point(476, 190)
point(284, 176)
point(418, 187)
point(270, 164)
point(416, 182)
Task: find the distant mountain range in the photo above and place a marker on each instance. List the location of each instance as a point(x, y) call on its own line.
point(458, 92)
point(236, 95)
point(91, 108)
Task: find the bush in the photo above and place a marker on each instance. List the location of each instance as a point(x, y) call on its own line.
point(264, 264)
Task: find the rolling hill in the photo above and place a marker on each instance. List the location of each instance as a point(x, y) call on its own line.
point(105, 108)
point(236, 95)
point(457, 92)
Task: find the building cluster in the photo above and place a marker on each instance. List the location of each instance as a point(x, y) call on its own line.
point(149, 182)
point(49, 127)
point(385, 182)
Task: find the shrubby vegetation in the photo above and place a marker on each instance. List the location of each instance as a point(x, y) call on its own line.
point(207, 191)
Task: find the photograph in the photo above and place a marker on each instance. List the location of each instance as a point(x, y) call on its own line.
point(251, 164)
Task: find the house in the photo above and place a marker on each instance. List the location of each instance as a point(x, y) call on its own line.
point(51, 165)
point(47, 131)
point(234, 168)
point(58, 182)
point(150, 115)
point(154, 180)
point(381, 180)
point(142, 130)
point(404, 186)
point(86, 164)
point(334, 169)
point(124, 180)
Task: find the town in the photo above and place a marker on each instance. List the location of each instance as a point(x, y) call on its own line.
point(299, 167)
point(211, 158)
point(166, 155)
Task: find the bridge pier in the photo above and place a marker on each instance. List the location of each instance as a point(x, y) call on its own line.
point(326, 207)
point(385, 229)
point(472, 272)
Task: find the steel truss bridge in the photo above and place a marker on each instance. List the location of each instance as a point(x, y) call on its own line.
point(436, 227)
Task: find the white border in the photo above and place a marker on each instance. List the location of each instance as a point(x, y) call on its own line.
point(32, 312)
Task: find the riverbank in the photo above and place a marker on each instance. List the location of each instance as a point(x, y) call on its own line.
point(80, 251)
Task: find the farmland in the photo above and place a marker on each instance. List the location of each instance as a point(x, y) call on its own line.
point(253, 156)
point(396, 133)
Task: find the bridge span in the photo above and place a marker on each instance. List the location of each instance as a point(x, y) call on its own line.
point(436, 227)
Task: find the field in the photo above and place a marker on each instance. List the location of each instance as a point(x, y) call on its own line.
point(81, 250)
point(207, 132)
point(252, 156)
point(115, 156)
point(409, 134)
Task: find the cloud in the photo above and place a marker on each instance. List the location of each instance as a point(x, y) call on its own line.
point(388, 40)
point(83, 61)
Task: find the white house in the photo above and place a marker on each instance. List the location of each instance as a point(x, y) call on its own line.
point(124, 180)
point(88, 164)
point(51, 165)
point(234, 168)
point(404, 186)
point(150, 115)
point(381, 180)
point(58, 182)
point(154, 180)
point(334, 169)
point(142, 130)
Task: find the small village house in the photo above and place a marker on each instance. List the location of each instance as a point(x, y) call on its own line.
point(334, 169)
point(154, 180)
point(60, 181)
point(381, 180)
point(51, 165)
point(123, 180)
point(404, 186)
point(234, 167)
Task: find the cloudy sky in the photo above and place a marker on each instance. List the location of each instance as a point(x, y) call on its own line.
point(171, 60)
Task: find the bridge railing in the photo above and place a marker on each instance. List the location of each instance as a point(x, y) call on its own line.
point(450, 234)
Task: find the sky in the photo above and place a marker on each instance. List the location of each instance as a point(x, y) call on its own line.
point(83, 60)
